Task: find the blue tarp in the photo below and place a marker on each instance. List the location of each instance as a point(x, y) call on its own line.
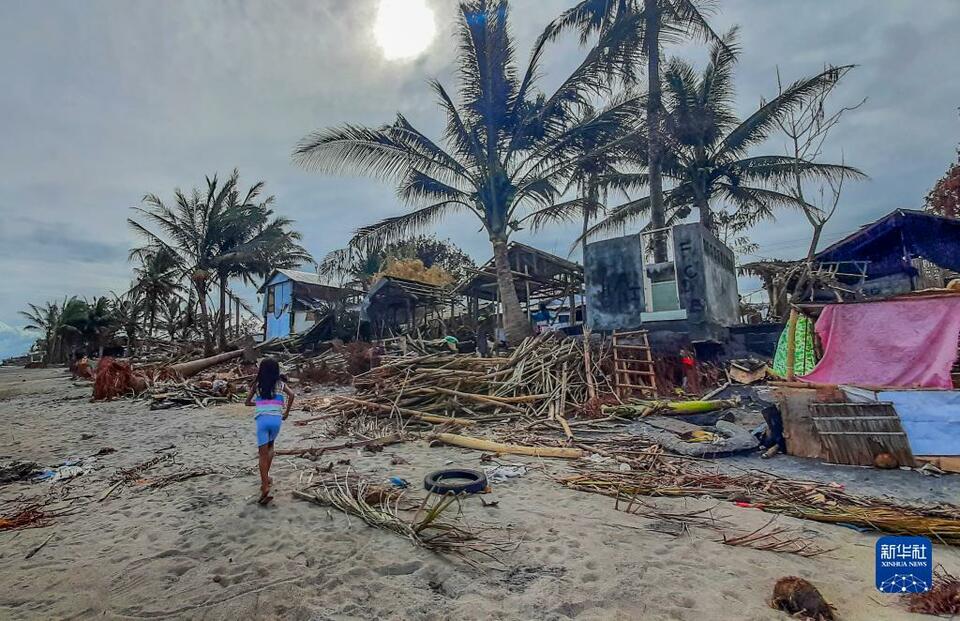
point(889, 242)
point(930, 418)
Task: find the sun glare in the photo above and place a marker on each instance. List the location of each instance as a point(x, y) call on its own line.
point(404, 29)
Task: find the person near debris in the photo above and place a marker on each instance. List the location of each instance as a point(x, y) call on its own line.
point(272, 400)
point(542, 318)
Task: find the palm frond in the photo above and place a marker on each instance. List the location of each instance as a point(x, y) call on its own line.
point(396, 228)
point(757, 127)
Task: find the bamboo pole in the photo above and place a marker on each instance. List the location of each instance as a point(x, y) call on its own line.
point(511, 449)
point(463, 422)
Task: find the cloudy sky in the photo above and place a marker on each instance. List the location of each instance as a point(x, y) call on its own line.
point(104, 101)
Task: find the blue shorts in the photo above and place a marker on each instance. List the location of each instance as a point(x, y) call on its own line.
point(268, 428)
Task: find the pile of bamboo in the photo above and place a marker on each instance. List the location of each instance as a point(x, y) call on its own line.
point(544, 378)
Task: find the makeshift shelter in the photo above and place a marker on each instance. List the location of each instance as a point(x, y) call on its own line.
point(539, 277)
point(295, 302)
point(906, 250)
point(395, 305)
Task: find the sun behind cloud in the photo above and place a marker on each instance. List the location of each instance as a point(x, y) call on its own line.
point(404, 29)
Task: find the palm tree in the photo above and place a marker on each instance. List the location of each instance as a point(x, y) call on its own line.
point(127, 310)
point(46, 320)
point(662, 21)
point(708, 147)
point(216, 235)
point(253, 243)
point(155, 280)
point(506, 146)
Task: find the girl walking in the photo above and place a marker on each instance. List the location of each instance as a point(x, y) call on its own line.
point(272, 400)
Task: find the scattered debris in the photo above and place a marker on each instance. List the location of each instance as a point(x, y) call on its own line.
point(656, 474)
point(33, 552)
point(502, 473)
point(18, 471)
point(432, 524)
point(942, 599)
point(776, 540)
point(30, 515)
point(799, 598)
point(455, 481)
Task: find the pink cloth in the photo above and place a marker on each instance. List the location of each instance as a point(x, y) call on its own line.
point(909, 342)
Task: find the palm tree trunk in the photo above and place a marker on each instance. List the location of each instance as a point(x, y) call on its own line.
point(587, 365)
point(222, 319)
point(706, 215)
point(515, 323)
point(658, 216)
point(204, 318)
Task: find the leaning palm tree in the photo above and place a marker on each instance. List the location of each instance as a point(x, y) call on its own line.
point(506, 146)
point(708, 156)
point(215, 236)
point(45, 319)
point(662, 21)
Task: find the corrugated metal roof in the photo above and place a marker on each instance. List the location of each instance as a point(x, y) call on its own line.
point(310, 278)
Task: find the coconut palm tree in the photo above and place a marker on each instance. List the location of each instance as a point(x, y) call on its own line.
point(218, 235)
point(506, 146)
point(708, 147)
point(46, 320)
point(253, 242)
point(155, 280)
point(662, 21)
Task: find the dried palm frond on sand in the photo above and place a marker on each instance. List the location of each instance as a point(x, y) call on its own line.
point(655, 474)
point(436, 523)
point(943, 599)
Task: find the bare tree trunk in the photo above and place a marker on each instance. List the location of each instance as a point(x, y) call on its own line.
point(515, 323)
point(658, 216)
point(815, 241)
point(222, 318)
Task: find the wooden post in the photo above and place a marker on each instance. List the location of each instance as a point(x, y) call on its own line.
point(792, 343)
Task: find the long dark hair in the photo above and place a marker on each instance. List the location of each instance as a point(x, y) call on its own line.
point(268, 375)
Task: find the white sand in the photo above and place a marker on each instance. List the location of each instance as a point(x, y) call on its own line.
point(202, 548)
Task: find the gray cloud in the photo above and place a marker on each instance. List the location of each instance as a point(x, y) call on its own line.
point(105, 101)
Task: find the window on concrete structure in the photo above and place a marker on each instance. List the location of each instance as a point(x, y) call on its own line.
point(271, 300)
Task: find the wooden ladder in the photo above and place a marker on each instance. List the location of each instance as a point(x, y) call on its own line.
point(633, 362)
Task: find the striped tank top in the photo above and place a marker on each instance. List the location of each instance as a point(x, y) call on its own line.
point(270, 407)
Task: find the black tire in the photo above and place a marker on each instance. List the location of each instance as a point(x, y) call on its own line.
point(467, 481)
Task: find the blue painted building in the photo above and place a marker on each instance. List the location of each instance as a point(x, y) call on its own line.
point(294, 301)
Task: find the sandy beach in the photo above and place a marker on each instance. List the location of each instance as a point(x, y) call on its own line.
point(203, 549)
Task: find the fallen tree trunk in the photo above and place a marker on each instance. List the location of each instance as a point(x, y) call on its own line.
point(192, 367)
point(511, 449)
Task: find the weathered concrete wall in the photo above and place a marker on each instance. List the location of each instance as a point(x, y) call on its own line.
point(614, 283)
point(723, 297)
point(706, 281)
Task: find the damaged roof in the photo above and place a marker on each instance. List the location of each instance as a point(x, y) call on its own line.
point(891, 241)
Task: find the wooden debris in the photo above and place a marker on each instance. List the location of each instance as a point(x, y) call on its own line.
point(652, 473)
point(543, 379)
point(511, 449)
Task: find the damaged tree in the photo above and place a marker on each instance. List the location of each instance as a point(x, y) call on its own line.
point(507, 146)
